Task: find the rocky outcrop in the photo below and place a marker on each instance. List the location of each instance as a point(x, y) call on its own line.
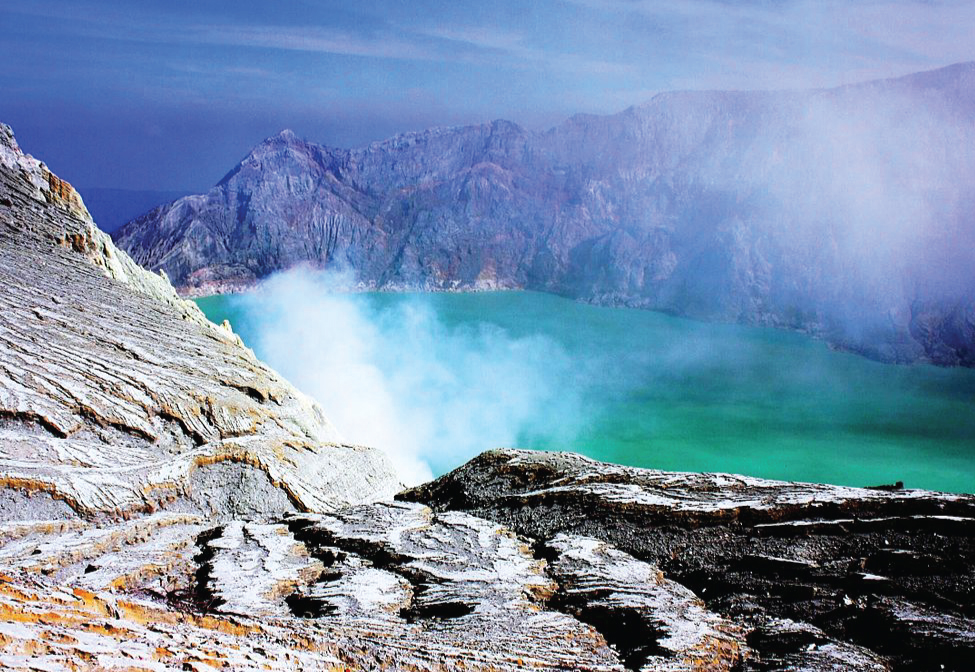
point(118, 396)
point(384, 586)
point(817, 576)
point(845, 213)
point(624, 569)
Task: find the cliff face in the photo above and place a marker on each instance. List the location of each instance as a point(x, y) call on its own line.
point(846, 213)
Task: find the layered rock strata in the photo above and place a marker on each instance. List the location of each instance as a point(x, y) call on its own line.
point(820, 577)
point(118, 396)
point(382, 586)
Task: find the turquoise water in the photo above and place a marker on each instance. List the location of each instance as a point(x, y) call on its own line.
point(651, 390)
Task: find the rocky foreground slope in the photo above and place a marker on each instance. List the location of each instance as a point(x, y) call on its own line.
point(846, 213)
point(167, 502)
point(116, 395)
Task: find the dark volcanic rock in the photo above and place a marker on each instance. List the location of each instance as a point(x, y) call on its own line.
point(846, 213)
point(821, 575)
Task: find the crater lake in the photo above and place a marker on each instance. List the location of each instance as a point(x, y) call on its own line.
point(466, 372)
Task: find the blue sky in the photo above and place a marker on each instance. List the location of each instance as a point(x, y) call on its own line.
point(171, 94)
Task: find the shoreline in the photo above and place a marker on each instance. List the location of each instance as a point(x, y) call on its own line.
point(814, 332)
point(367, 289)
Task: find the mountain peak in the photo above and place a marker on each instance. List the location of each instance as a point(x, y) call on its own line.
point(7, 138)
point(287, 135)
point(284, 137)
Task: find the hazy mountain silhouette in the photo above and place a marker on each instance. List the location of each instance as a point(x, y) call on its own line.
point(848, 213)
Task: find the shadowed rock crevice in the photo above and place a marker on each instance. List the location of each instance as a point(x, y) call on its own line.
point(92, 415)
point(786, 645)
point(345, 556)
point(199, 597)
point(625, 630)
point(419, 610)
point(249, 569)
point(194, 436)
point(260, 396)
point(653, 623)
point(29, 419)
point(342, 559)
point(910, 632)
point(306, 606)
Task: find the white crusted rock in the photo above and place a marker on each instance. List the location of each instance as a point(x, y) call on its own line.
point(114, 391)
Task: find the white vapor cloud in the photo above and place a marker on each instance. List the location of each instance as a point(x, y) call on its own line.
point(398, 378)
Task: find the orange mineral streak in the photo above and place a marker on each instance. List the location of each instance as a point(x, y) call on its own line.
point(60, 624)
point(31, 485)
point(12, 613)
point(144, 615)
point(143, 575)
point(63, 193)
point(10, 590)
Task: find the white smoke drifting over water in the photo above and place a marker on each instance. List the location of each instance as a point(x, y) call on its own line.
point(397, 378)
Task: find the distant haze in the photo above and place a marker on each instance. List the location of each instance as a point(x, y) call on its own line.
point(165, 96)
point(844, 212)
point(111, 208)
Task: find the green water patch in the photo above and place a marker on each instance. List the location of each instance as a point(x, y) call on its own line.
point(652, 390)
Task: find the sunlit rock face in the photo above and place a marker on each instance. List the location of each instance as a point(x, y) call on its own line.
point(846, 213)
point(118, 396)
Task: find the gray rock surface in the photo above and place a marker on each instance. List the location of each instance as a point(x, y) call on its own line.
point(845, 213)
point(819, 575)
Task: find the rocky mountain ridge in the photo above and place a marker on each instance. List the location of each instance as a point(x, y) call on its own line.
point(167, 502)
point(845, 213)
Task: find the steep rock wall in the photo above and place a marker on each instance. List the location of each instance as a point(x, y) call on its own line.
point(846, 213)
